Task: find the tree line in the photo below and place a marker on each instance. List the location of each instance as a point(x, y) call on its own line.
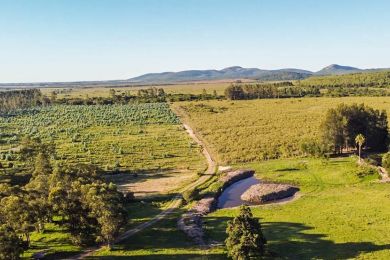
point(74, 197)
point(15, 99)
point(268, 90)
point(356, 80)
point(348, 127)
point(20, 99)
point(146, 95)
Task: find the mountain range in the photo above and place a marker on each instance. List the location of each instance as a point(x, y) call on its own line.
point(238, 72)
point(230, 73)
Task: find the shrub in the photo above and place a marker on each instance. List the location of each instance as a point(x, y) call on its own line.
point(386, 160)
point(302, 165)
point(366, 171)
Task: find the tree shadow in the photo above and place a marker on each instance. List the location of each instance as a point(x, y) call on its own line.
point(296, 241)
point(180, 256)
point(129, 177)
point(288, 169)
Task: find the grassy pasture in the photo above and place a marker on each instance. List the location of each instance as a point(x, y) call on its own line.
point(338, 216)
point(254, 130)
point(161, 241)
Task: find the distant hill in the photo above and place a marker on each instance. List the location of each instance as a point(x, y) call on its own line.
point(237, 72)
point(230, 73)
point(336, 69)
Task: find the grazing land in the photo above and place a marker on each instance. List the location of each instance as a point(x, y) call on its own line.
point(341, 210)
point(338, 216)
point(255, 130)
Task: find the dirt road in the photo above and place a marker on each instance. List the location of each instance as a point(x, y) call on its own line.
point(174, 204)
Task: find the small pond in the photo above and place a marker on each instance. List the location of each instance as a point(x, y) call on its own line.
point(231, 196)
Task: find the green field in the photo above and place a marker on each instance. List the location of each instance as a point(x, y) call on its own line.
point(161, 241)
point(255, 130)
point(184, 88)
point(146, 139)
point(338, 216)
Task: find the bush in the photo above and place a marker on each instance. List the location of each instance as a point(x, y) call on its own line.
point(366, 171)
point(386, 160)
point(313, 148)
point(302, 165)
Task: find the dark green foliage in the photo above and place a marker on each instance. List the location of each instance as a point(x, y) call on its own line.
point(145, 95)
point(269, 90)
point(245, 239)
point(89, 208)
point(313, 148)
point(367, 171)
point(18, 214)
point(344, 123)
point(11, 246)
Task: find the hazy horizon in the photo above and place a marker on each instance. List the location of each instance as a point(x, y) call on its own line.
point(62, 41)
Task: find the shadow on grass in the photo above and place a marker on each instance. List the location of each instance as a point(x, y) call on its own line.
point(288, 169)
point(294, 241)
point(163, 240)
point(164, 256)
point(61, 255)
point(127, 177)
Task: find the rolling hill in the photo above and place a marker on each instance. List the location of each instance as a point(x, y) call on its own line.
point(237, 72)
point(229, 73)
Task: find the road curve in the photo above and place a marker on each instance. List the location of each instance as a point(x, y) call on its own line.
point(174, 204)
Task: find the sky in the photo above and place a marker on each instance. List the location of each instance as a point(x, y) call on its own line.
point(74, 40)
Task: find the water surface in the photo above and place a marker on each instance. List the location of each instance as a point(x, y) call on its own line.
point(231, 196)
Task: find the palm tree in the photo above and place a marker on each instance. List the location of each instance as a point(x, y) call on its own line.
point(360, 139)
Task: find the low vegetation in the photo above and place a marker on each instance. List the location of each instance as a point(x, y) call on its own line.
point(59, 153)
point(338, 216)
point(356, 80)
point(118, 138)
point(255, 130)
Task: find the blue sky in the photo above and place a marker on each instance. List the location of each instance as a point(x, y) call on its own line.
point(66, 40)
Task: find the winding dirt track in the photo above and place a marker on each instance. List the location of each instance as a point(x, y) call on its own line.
point(174, 204)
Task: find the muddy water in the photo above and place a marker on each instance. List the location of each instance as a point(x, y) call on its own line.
point(231, 196)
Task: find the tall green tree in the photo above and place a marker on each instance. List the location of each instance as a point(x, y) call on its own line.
point(17, 213)
point(11, 246)
point(245, 239)
point(343, 123)
point(106, 205)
